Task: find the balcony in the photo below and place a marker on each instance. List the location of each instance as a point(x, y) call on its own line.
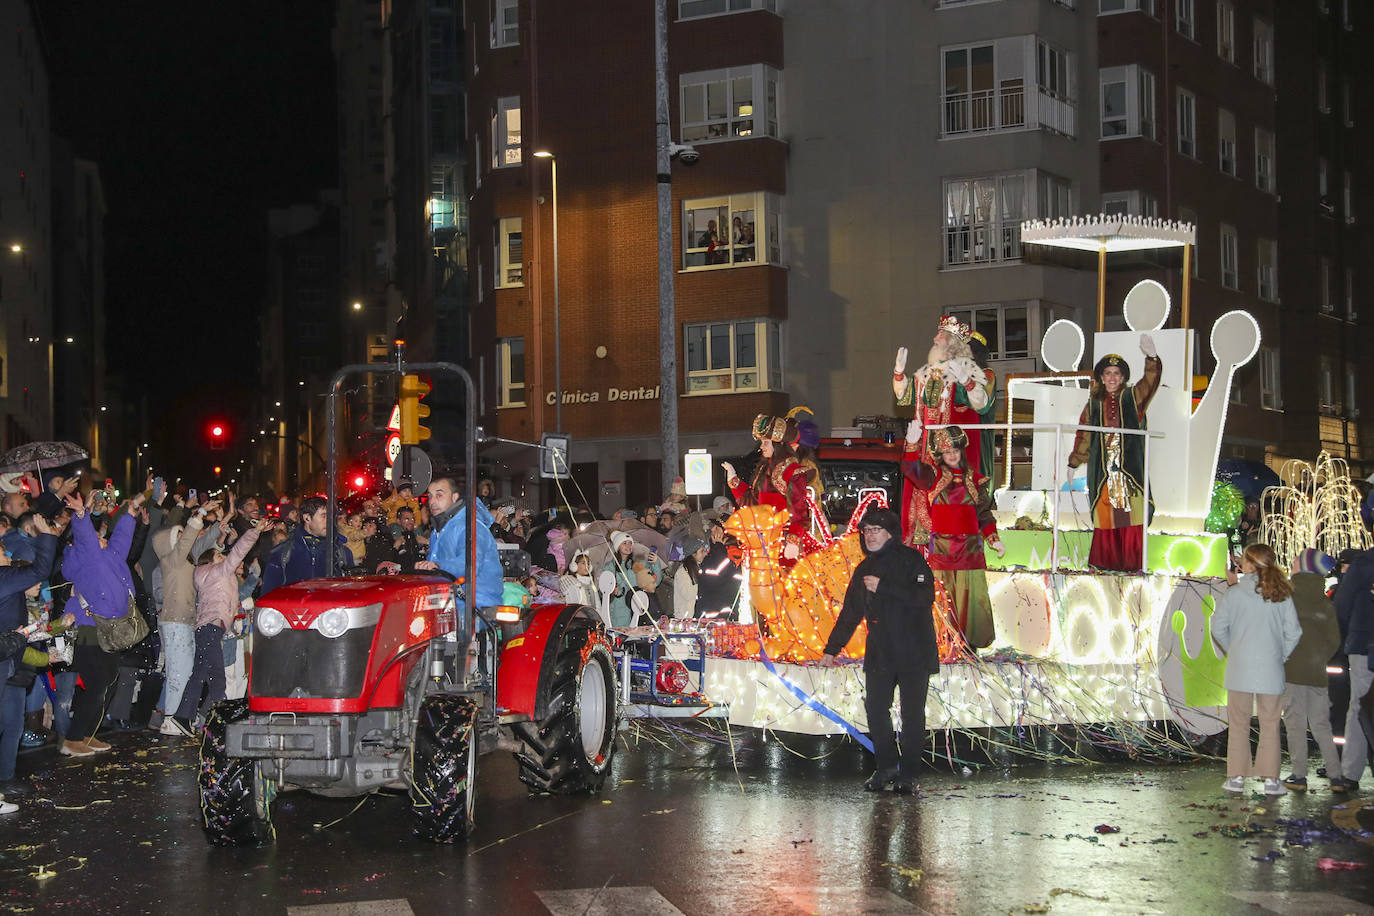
point(991, 110)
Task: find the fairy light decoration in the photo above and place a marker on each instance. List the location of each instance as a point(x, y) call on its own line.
point(1318, 507)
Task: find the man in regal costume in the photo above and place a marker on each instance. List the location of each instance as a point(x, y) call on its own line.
point(959, 505)
point(1116, 463)
point(780, 481)
point(948, 389)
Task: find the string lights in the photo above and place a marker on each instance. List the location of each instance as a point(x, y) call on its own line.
point(1316, 507)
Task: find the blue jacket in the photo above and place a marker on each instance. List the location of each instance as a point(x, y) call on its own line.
point(1355, 606)
point(448, 549)
point(301, 556)
point(100, 576)
point(18, 544)
point(15, 580)
point(1257, 636)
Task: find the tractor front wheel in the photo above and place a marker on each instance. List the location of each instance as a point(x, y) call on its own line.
point(443, 768)
point(235, 801)
point(570, 749)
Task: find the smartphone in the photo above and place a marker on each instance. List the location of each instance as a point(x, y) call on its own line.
point(191, 493)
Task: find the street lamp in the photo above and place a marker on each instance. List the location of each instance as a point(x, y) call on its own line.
point(557, 348)
point(17, 248)
point(357, 306)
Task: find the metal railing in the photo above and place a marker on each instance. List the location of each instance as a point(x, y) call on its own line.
point(984, 110)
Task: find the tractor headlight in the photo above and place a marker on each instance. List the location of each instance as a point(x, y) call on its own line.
point(333, 622)
point(270, 621)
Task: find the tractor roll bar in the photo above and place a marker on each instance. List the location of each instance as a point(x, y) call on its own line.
point(400, 367)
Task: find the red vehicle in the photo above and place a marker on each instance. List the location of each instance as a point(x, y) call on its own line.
point(400, 682)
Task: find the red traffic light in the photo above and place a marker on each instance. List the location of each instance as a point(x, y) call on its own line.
point(359, 481)
point(217, 431)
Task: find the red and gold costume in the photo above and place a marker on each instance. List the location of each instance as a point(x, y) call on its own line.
point(956, 508)
point(780, 482)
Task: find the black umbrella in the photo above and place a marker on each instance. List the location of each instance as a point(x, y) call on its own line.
point(1249, 477)
point(38, 456)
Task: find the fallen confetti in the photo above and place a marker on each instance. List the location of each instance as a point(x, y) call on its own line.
point(1072, 892)
point(1106, 828)
point(1327, 864)
point(796, 843)
point(661, 811)
point(913, 876)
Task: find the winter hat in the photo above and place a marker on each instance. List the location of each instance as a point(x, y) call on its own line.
point(618, 538)
point(679, 488)
point(628, 513)
point(691, 545)
point(722, 504)
point(1314, 561)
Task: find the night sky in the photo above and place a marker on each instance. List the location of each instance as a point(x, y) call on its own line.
point(201, 117)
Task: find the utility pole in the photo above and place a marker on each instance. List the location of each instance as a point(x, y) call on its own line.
point(667, 319)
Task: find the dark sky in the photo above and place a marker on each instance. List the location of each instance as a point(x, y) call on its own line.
point(202, 117)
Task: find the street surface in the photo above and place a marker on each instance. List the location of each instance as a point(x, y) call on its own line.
point(683, 829)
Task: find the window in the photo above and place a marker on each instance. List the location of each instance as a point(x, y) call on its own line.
point(1323, 179)
point(1268, 270)
point(505, 133)
point(983, 219)
point(1054, 196)
point(1264, 52)
point(1264, 160)
point(1230, 257)
point(1328, 300)
point(1183, 17)
point(477, 160)
point(733, 356)
point(1270, 398)
point(1349, 192)
point(505, 23)
point(1352, 409)
point(510, 372)
point(1226, 141)
point(1347, 104)
point(1054, 71)
point(980, 95)
point(1226, 31)
point(1345, 15)
point(1128, 102)
point(723, 231)
point(1187, 123)
point(1005, 327)
point(720, 104)
point(694, 9)
point(510, 253)
point(1129, 203)
point(1323, 87)
point(1126, 6)
point(1350, 293)
point(1326, 396)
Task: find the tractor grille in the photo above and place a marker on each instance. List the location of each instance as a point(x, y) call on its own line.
point(310, 665)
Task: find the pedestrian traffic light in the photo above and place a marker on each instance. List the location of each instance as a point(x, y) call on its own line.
point(412, 390)
point(217, 436)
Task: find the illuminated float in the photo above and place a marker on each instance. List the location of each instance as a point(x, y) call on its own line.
point(1074, 646)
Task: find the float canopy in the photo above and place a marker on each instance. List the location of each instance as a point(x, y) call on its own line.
point(1108, 233)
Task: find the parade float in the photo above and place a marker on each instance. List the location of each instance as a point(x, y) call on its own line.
point(1114, 654)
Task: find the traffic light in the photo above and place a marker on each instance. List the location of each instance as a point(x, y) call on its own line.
point(218, 470)
point(217, 436)
point(412, 390)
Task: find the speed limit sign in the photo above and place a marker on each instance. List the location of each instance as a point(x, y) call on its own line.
point(393, 448)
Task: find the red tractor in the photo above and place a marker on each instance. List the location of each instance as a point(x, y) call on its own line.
point(400, 683)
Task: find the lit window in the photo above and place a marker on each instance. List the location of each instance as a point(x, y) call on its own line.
point(1226, 31)
point(982, 218)
point(505, 133)
point(1270, 396)
point(724, 231)
point(1230, 257)
point(695, 9)
point(1264, 52)
point(510, 372)
point(1187, 123)
point(510, 253)
point(720, 104)
point(1264, 160)
point(505, 23)
point(1226, 141)
point(733, 356)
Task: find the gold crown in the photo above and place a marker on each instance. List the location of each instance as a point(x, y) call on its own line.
point(769, 427)
point(955, 328)
point(947, 437)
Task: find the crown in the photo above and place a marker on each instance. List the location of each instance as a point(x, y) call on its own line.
point(955, 328)
point(1204, 674)
point(947, 437)
point(770, 427)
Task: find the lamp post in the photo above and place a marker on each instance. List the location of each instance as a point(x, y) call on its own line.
point(557, 348)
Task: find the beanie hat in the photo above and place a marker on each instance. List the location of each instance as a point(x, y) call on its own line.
point(1314, 561)
point(618, 538)
point(691, 545)
point(679, 487)
point(722, 504)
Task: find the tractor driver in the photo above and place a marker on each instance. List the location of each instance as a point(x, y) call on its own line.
point(448, 542)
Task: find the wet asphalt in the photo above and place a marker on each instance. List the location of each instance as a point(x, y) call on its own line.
point(685, 825)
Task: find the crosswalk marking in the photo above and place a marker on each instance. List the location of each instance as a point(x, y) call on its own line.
point(870, 901)
point(1298, 903)
point(608, 901)
point(398, 907)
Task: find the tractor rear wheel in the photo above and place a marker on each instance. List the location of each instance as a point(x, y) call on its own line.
point(235, 801)
point(570, 749)
point(443, 768)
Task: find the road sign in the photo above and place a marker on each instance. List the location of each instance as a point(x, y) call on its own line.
point(394, 424)
point(553, 455)
point(421, 470)
point(696, 472)
point(393, 448)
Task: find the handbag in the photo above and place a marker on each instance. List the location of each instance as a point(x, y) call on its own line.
point(115, 634)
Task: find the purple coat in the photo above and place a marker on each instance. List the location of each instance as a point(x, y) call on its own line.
point(100, 576)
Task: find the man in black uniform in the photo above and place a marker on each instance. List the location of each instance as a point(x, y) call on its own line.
point(894, 589)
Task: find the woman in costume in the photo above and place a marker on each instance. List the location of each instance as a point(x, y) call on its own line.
point(959, 503)
point(1116, 463)
point(780, 481)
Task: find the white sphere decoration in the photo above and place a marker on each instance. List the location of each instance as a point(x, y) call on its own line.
point(1062, 346)
point(1146, 307)
point(1235, 339)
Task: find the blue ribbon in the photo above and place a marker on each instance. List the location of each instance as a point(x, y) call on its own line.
point(816, 704)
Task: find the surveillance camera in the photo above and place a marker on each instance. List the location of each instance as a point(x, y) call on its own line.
point(684, 153)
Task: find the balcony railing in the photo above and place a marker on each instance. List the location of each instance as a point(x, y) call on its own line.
point(982, 243)
point(988, 110)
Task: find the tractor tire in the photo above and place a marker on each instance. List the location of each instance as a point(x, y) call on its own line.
point(443, 768)
point(235, 802)
point(570, 749)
